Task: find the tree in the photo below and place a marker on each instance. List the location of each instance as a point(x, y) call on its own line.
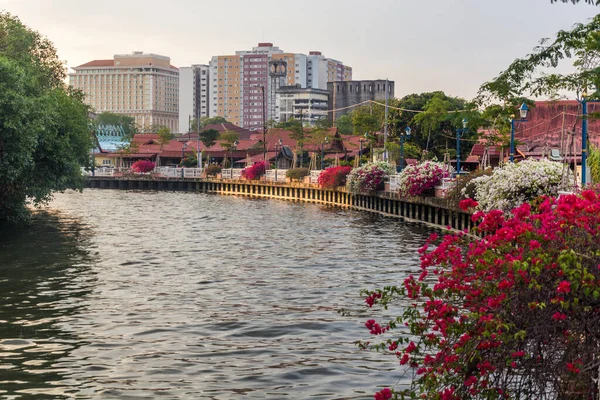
point(164, 136)
point(209, 137)
point(206, 121)
point(44, 126)
point(528, 76)
point(127, 122)
point(344, 125)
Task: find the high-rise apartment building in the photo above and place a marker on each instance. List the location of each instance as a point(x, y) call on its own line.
point(193, 95)
point(239, 82)
point(345, 94)
point(140, 85)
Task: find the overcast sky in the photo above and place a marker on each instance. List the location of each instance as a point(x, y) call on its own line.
point(423, 45)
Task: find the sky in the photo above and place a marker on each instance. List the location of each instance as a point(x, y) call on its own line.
point(422, 45)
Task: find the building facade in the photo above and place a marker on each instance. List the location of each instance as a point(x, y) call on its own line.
point(140, 85)
point(306, 104)
point(243, 89)
point(345, 94)
point(193, 95)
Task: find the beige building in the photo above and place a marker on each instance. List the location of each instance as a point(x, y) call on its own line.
point(140, 85)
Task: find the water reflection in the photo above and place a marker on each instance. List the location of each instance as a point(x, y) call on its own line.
point(144, 295)
point(44, 275)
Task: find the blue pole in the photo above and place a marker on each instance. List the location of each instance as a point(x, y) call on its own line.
point(401, 153)
point(458, 151)
point(583, 142)
point(512, 140)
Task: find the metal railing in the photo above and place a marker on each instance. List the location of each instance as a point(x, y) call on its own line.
point(104, 172)
point(168, 172)
point(276, 175)
point(314, 176)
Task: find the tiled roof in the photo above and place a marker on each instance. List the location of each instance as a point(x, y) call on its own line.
point(98, 63)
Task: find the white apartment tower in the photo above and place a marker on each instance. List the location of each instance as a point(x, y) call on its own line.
point(193, 95)
point(141, 85)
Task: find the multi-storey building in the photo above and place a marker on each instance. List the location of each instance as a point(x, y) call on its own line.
point(345, 94)
point(143, 86)
point(193, 95)
point(241, 85)
point(305, 104)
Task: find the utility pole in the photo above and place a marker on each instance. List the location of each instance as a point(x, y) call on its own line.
point(301, 136)
point(385, 126)
point(262, 87)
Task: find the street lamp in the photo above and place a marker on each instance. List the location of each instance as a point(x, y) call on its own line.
point(459, 133)
point(278, 147)
point(523, 112)
point(262, 88)
point(233, 147)
point(403, 137)
point(323, 153)
point(183, 147)
point(360, 152)
point(198, 154)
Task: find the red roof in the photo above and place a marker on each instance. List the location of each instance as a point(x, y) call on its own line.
point(98, 63)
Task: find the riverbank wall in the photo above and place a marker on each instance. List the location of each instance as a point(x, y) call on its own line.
point(428, 210)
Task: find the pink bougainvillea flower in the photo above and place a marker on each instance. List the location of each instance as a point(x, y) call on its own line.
point(564, 287)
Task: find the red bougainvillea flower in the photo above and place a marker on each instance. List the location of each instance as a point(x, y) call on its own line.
point(384, 394)
point(564, 287)
point(467, 203)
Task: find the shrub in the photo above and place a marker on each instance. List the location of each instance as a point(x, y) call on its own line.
point(255, 171)
point(212, 170)
point(515, 184)
point(143, 166)
point(333, 177)
point(514, 314)
point(297, 174)
point(368, 178)
point(418, 179)
point(464, 187)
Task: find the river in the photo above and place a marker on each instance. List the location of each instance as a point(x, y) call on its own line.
point(140, 295)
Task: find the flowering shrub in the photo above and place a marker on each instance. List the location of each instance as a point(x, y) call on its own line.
point(212, 170)
point(420, 178)
point(515, 314)
point(142, 166)
point(297, 174)
point(516, 184)
point(368, 178)
point(255, 171)
point(333, 177)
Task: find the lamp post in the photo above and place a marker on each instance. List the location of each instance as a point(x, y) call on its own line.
point(360, 152)
point(198, 154)
point(262, 88)
point(323, 152)
point(183, 147)
point(584, 135)
point(459, 133)
point(278, 147)
point(403, 137)
point(523, 113)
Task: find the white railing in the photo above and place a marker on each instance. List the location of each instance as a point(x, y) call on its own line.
point(394, 183)
point(235, 173)
point(104, 172)
point(192, 172)
point(169, 172)
point(276, 175)
point(314, 176)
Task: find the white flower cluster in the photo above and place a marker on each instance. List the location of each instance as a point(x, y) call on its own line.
point(515, 184)
point(366, 178)
point(415, 179)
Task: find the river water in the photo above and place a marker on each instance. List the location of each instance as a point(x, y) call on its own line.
point(141, 295)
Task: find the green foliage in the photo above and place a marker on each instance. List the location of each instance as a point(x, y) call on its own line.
point(190, 162)
point(594, 163)
point(209, 137)
point(530, 75)
point(344, 125)
point(164, 136)
point(229, 138)
point(205, 121)
point(44, 126)
point(296, 174)
point(212, 170)
point(127, 122)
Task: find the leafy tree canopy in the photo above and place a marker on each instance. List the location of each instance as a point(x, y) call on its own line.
point(526, 76)
point(206, 121)
point(108, 118)
point(209, 137)
point(44, 126)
